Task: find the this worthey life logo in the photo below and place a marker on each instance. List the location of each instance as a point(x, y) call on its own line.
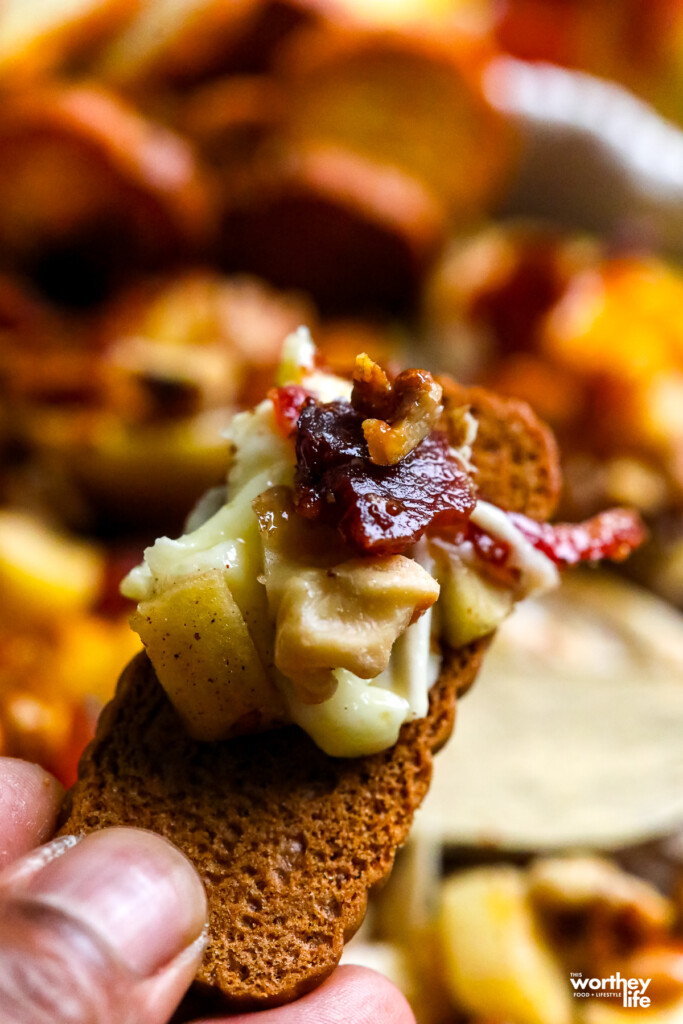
point(632, 991)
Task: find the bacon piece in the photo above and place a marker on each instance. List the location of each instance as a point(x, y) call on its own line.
point(612, 534)
point(378, 509)
point(288, 402)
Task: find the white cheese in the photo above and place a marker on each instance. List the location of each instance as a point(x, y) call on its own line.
point(358, 719)
point(297, 359)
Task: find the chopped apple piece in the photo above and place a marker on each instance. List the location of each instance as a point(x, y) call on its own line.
point(498, 965)
point(43, 575)
point(205, 659)
point(349, 616)
point(471, 605)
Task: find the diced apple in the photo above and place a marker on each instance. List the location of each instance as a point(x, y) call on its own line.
point(471, 605)
point(497, 962)
point(205, 658)
point(43, 575)
point(348, 616)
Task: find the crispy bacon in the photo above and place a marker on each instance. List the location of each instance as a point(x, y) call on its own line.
point(384, 509)
point(378, 509)
point(613, 534)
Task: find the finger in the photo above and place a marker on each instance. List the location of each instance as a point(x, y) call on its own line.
point(352, 995)
point(29, 803)
point(109, 931)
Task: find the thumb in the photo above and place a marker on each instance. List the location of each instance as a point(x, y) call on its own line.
point(108, 930)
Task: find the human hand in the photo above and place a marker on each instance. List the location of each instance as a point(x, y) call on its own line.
point(110, 929)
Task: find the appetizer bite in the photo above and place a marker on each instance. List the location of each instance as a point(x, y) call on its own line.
point(306, 640)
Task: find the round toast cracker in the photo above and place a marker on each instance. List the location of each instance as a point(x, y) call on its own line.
point(288, 840)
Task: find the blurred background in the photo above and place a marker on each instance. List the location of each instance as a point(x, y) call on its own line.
point(491, 187)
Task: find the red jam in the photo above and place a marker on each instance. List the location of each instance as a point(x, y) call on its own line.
point(377, 509)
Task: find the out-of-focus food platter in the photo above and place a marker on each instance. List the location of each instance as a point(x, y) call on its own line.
point(494, 188)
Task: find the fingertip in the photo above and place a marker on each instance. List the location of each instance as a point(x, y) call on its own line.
point(135, 888)
point(360, 995)
point(30, 799)
point(351, 995)
point(112, 923)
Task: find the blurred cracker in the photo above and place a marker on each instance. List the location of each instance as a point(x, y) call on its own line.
point(40, 36)
point(412, 100)
point(352, 232)
point(174, 41)
point(78, 166)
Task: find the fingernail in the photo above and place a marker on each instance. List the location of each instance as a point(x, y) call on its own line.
point(139, 893)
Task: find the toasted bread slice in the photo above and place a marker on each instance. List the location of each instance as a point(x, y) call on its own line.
point(288, 840)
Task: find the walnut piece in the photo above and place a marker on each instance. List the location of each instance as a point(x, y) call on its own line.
point(347, 617)
point(398, 415)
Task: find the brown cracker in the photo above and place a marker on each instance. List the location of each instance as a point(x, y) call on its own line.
point(288, 840)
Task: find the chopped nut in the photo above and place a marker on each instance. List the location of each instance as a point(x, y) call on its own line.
point(460, 425)
point(399, 415)
point(347, 617)
point(372, 390)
